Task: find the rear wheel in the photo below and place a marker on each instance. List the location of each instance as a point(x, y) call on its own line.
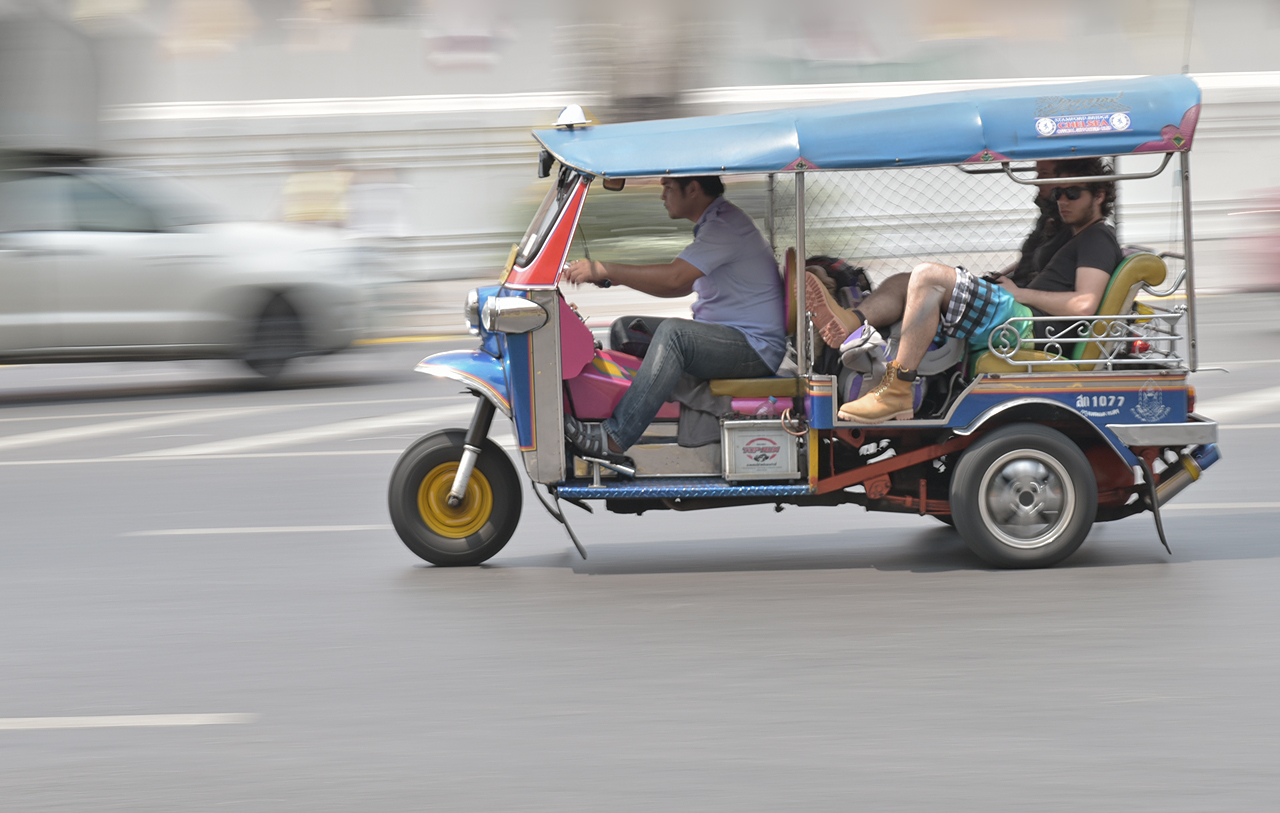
point(278, 337)
point(1024, 496)
point(443, 535)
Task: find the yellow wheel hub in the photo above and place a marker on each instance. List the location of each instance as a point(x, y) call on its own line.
point(467, 518)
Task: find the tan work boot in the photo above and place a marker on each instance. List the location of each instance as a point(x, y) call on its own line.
point(892, 400)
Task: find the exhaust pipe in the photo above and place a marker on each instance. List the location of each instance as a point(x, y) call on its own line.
point(1192, 466)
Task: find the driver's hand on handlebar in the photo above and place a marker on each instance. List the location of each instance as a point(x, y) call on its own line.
point(583, 271)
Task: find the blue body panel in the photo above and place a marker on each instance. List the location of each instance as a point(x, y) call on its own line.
point(1068, 120)
point(1097, 399)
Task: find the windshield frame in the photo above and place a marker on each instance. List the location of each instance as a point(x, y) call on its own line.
point(548, 214)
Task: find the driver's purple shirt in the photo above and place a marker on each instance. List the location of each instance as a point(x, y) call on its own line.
point(740, 285)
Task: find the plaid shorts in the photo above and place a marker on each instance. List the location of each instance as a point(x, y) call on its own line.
point(978, 307)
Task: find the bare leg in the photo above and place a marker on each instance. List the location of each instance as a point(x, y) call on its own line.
point(885, 304)
point(928, 293)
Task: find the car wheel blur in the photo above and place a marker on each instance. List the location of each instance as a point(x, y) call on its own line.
point(278, 337)
point(437, 532)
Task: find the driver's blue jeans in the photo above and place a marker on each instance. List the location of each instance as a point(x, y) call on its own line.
point(701, 349)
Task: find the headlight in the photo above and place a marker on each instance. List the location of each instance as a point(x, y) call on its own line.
point(471, 311)
point(509, 314)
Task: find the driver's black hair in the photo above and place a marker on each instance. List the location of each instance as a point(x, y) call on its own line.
point(710, 184)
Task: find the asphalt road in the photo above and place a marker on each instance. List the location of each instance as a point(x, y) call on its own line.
point(204, 608)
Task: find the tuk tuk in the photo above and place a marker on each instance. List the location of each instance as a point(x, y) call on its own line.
point(1020, 446)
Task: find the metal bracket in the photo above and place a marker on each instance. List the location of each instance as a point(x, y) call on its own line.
point(1127, 176)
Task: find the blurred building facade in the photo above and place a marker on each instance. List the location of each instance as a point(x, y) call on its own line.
point(435, 98)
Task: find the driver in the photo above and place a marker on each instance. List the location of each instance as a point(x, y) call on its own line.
point(737, 329)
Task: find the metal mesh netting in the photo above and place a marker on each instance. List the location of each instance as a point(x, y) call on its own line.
point(890, 220)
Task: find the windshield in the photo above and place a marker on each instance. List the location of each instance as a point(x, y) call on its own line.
point(546, 217)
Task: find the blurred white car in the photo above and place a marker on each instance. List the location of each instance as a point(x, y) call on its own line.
point(112, 264)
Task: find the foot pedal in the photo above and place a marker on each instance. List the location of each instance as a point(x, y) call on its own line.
point(598, 462)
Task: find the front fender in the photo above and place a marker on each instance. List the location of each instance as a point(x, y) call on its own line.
point(475, 369)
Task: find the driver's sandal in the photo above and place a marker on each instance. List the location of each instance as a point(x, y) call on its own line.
point(590, 440)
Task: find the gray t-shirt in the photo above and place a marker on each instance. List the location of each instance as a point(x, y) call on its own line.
point(740, 286)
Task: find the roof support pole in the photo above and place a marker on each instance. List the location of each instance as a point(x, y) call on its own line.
point(802, 313)
point(1187, 249)
point(768, 216)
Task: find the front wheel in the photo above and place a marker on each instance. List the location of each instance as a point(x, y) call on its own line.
point(442, 535)
point(1024, 496)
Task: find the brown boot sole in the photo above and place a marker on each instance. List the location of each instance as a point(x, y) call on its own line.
point(905, 415)
point(833, 322)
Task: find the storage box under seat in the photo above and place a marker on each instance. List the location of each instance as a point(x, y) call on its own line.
point(759, 450)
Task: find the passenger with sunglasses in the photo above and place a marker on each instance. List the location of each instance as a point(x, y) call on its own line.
point(940, 299)
point(1047, 236)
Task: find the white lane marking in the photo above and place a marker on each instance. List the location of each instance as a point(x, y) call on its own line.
point(98, 430)
point(69, 416)
point(123, 721)
point(1241, 405)
point(310, 434)
point(132, 459)
point(266, 529)
point(507, 442)
point(1221, 506)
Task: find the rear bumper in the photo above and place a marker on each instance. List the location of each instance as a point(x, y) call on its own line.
point(1197, 431)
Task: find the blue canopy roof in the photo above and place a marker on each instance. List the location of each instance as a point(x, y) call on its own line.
point(1077, 119)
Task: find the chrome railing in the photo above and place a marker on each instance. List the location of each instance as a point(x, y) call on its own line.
point(1143, 339)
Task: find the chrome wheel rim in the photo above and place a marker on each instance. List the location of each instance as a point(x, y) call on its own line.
point(1026, 499)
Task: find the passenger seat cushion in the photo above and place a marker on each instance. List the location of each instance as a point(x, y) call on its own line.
point(776, 386)
point(990, 363)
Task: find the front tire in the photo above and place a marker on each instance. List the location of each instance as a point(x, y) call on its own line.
point(1024, 496)
point(474, 531)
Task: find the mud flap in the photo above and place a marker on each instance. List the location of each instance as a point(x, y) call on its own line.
point(553, 508)
point(1153, 501)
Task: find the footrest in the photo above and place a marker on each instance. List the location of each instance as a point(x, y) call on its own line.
point(776, 386)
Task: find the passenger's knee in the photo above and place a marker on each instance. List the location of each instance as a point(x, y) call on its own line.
point(933, 273)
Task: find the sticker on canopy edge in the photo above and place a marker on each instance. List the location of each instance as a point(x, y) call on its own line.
point(1083, 124)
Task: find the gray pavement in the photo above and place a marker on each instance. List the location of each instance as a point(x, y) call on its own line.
point(177, 541)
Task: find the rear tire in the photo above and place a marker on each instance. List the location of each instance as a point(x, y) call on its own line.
point(469, 534)
point(278, 337)
point(1024, 496)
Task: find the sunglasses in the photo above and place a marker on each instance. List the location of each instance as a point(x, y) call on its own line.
point(1071, 192)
